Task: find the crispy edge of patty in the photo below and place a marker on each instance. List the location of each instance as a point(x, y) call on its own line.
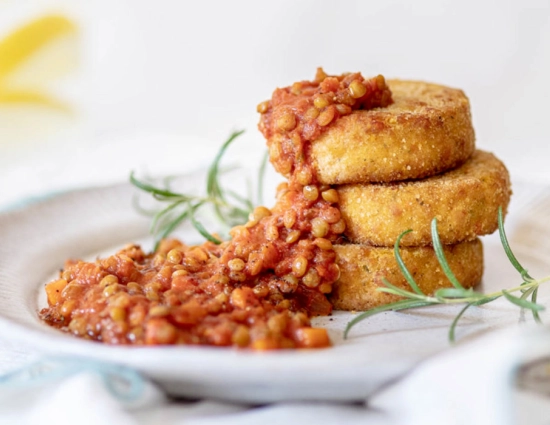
point(363, 267)
point(464, 201)
point(427, 130)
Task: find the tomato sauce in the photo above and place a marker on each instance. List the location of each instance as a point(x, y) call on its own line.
point(257, 290)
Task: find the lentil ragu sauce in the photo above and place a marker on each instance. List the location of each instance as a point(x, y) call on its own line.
point(257, 290)
point(296, 115)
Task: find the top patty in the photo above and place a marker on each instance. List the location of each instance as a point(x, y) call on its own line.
point(427, 130)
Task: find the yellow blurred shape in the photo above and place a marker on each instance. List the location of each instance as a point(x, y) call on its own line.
point(36, 98)
point(27, 40)
point(32, 56)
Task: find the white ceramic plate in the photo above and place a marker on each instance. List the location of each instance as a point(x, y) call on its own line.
point(36, 239)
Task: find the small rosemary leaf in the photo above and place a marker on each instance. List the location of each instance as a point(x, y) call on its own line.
point(522, 303)
point(526, 292)
point(159, 193)
point(213, 187)
point(534, 300)
point(396, 306)
point(169, 228)
point(393, 292)
point(219, 213)
point(175, 197)
point(452, 328)
point(136, 205)
point(247, 204)
point(199, 227)
point(456, 293)
point(212, 184)
point(438, 248)
point(239, 212)
point(235, 218)
point(167, 181)
point(404, 270)
point(392, 289)
point(168, 223)
point(162, 214)
point(504, 240)
point(485, 300)
point(242, 199)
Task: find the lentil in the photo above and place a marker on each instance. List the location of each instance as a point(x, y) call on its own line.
point(299, 266)
point(175, 256)
point(311, 193)
point(330, 195)
point(289, 218)
point(339, 227)
point(236, 264)
point(326, 116)
point(292, 236)
point(319, 227)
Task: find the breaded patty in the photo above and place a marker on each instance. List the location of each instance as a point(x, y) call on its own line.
point(363, 267)
point(427, 130)
point(465, 202)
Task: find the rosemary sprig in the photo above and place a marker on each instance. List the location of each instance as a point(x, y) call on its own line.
point(229, 207)
point(457, 294)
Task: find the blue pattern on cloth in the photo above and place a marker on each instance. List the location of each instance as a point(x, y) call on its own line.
point(122, 382)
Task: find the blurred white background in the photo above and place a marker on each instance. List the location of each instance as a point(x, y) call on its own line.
point(159, 85)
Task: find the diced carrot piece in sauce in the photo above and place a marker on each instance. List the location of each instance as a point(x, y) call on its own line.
point(53, 290)
point(312, 338)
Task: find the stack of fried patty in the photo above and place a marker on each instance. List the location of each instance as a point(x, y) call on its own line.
point(396, 168)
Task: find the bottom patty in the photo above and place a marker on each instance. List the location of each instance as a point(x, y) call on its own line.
point(363, 268)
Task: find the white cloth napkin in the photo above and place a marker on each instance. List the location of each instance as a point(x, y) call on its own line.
point(87, 397)
point(469, 384)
